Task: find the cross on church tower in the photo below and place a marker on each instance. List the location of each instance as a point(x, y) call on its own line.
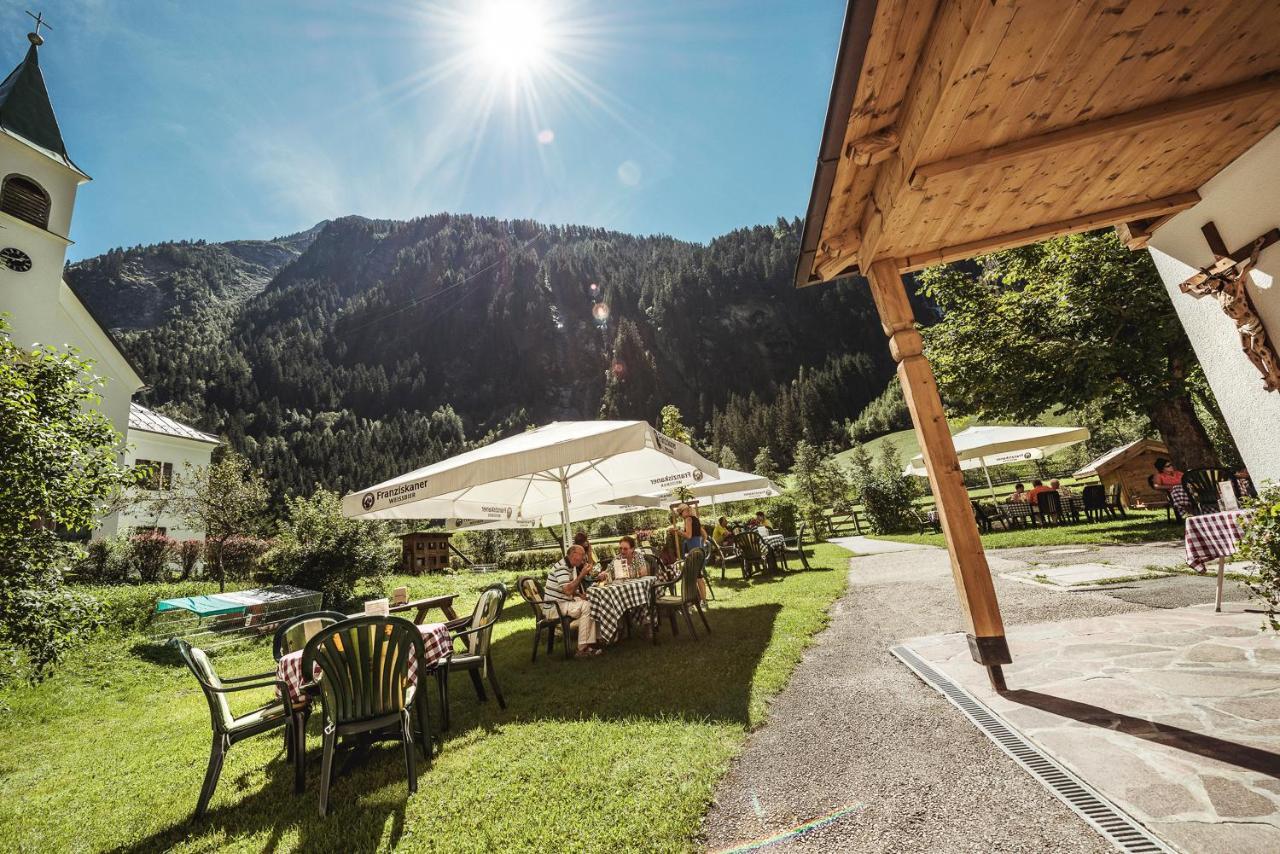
point(36, 38)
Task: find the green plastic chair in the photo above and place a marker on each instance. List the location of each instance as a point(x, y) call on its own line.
point(531, 592)
point(688, 595)
point(293, 634)
point(229, 729)
point(475, 658)
point(751, 549)
point(364, 686)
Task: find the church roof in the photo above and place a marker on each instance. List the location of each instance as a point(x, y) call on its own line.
point(150, 421)
point(25, 110)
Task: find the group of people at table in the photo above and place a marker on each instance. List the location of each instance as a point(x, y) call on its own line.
point(569, 579)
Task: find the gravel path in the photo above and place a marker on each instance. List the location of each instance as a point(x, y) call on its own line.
point(855, 728)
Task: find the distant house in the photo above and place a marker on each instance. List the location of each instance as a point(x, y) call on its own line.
point(424, 551)
point(1130, 466)
point(167, 449)
point(38, 184)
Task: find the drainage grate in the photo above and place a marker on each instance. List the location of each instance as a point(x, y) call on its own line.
point(1105, 817)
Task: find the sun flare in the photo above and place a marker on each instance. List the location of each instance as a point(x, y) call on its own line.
point(511, 38)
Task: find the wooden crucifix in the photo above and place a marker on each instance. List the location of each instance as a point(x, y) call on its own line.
point(1225, 280)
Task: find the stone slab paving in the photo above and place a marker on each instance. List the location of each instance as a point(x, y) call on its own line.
point(1174, 714)
point(1081, 574)
point(868, 546)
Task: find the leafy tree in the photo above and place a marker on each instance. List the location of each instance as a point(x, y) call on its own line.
point(1065, 323)
point(225, 499)
point(59, 466)
point(886, 494)
point(764, 464)
point(673, 424)
point(818, 482)
point(318, 548)
point(886, 414)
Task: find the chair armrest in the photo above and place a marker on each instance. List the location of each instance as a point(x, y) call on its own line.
point(272, 683)
point(454, 625)
point(270, 674)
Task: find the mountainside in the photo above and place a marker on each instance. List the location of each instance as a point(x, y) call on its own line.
point(362, 348)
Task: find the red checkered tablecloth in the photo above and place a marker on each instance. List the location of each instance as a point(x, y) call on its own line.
point(436, 641)
point(1212, 536)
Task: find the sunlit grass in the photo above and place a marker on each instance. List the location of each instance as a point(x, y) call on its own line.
point(1136, 527)
point(616, 753)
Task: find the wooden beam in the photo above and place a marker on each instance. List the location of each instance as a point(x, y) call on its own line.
point(983, 622)
point(1085, 222)
point(1100, 130)
point(873, 148)
point(1133, 235)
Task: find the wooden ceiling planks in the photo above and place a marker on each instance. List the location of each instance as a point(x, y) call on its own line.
point(962, 80)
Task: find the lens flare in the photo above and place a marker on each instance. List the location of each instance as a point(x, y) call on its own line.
point(600, 311)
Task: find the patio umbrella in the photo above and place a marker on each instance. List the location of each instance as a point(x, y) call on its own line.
point(982, 447)
point(731, 485)
point(526, 477)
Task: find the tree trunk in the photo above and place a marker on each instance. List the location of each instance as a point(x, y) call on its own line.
point(1180, 427)
point(222, 574)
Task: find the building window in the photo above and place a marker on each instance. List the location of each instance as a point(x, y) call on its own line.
point(25, 199)
point(157, 475)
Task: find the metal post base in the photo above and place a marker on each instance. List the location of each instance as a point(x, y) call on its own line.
point(989, 650)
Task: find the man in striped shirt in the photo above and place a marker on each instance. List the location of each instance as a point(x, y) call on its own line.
point(564, 589)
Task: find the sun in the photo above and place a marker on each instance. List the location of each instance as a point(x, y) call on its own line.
point(512, 39)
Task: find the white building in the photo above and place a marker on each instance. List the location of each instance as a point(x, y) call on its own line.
point(38, 184)
point(167, 448)
point(1243, 203)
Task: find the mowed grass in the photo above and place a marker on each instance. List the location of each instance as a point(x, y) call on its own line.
point(1137, 527)
point(621, 752)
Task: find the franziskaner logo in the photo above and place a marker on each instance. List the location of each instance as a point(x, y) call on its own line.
point(367, 501)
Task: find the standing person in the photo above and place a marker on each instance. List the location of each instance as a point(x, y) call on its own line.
point(691, 529)
point(564, 588)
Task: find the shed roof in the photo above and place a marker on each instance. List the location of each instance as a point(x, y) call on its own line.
point(150, 421)
point(958, 127)
point(1116, 456)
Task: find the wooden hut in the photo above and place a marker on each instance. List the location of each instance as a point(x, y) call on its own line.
point(424, 551)
point(1130, 466)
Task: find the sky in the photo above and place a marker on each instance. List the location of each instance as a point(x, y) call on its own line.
point(229, 119)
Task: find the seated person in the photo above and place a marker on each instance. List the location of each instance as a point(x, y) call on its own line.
point(564, 588)
point(721, 533)
point(1037, 489)
point(1064, 491)
point(1019, 494)
point(1167, 477)
point(761, 521)
point(629, 563)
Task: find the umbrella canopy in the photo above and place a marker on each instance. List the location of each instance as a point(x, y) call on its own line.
point(543, 471)
point(731, 485)
point(979, 447)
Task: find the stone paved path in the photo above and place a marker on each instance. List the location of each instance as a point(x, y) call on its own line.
point(855, 729)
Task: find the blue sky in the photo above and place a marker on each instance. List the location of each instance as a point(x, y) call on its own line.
point(230, 119)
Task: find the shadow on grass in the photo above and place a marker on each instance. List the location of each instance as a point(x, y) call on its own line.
point(705, 678)
point(159, 654)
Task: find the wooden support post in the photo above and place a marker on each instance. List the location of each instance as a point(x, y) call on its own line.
point(983, 623)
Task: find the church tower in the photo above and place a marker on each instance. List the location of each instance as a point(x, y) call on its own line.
point(38, 184)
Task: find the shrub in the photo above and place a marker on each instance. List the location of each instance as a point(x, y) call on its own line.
point(1261, 545)
point(189, 555)
point(783, 513)
point(319, 548)
point(149, 556)
point(239, 556)
point(886, 493)
point(104, 562)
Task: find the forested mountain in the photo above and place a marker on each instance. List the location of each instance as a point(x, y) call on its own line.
point(362, 348)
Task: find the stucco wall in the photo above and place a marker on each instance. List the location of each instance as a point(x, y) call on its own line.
point(1243, 201)
point(184, 454)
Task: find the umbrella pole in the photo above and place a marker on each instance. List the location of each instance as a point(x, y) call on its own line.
point(990, 488)
point(564, 502)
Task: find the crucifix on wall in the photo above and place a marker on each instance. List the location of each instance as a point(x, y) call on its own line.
point(1225, 281)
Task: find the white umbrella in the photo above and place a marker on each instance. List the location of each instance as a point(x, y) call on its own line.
point(731, 485)
point(981, 447)
point(528, 476)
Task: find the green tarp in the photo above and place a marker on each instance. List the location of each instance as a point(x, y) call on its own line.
point(204, 606)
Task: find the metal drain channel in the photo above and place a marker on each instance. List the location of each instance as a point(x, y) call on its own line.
point(1114, 824)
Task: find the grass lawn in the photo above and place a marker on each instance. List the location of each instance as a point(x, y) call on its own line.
point(621, 752)
point(1137, 527)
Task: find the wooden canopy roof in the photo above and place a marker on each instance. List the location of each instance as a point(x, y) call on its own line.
point(958, 127)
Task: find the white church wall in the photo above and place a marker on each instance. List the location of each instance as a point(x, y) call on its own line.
point(1243, 201)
